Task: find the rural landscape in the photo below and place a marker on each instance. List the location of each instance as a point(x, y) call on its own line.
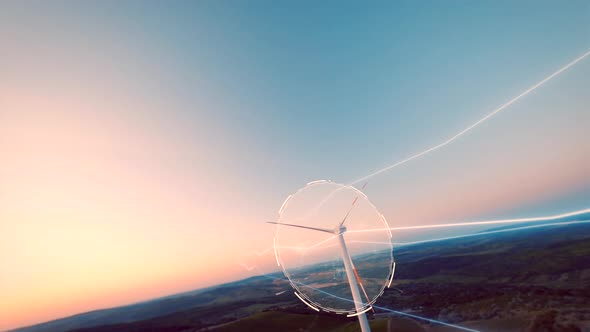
point(523, 280)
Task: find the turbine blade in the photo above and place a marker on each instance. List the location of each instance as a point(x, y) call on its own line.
point(347, 213)
point(351, 206)
point(346, 216)
point(301, 226)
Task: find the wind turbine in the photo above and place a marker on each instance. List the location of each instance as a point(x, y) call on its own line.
point(353, 278)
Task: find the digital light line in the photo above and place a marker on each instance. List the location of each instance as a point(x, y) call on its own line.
point(479, 223)
point(402, 244)
point(316, 246)
point(480, 121)
point(401, 313)
point(472, 223)
point(435, 240)
point(565, 223)
point(430, 320)
point(322, 242)
point(475, 223)
point(425, 319)
point(451, 139)
point(558, 224)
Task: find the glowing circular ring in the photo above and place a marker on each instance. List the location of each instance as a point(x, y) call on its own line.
point(297, 286)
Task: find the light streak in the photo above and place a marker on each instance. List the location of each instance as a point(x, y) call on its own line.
point(426, 319)
point(430, 320)
point(274, 245)
point(448, 141)
point(480, 121)
point(315, 246)
point(402, 244)
point(309, 305)
point(436, 147)
point(397, 312)
point(479, 223)
point(284, 203)
point(496, 231)
point(392, 273)
point(472, 223)
point(316, 182)
point(359, 313)
point(322, 242)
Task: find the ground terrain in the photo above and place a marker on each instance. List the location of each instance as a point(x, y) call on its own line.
point(528, 280)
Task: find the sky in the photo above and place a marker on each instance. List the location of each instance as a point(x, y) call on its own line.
point(143, 144)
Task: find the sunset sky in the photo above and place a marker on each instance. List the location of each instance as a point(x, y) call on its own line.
point(143, 144)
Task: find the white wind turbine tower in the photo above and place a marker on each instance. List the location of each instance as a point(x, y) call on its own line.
point(353, 278)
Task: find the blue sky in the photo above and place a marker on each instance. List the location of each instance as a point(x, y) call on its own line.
point(337, 90)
